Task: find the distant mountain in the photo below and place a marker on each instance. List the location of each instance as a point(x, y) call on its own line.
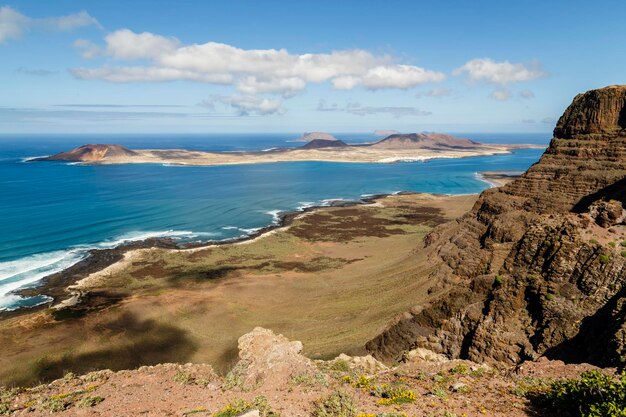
point(325, 143)
point(433, 141)
point(89, 153)
point(309, 136)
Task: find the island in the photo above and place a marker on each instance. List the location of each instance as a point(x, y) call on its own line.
point(411, 147)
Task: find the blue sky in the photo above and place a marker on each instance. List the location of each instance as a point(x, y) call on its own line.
point(291, 66)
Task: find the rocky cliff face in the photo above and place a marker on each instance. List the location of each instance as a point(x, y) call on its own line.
point(537, 267)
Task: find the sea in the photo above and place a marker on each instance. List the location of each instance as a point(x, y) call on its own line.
point(53, 213)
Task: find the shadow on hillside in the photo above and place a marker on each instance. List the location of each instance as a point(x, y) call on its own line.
point(615, 191)
point(137, 343)
point(596, 338)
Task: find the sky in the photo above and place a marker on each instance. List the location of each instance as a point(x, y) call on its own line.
point(156, 66)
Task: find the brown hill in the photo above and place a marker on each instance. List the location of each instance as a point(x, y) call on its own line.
point(433, 141)
point(537, 267)
point(90, 153)
point(324, 143)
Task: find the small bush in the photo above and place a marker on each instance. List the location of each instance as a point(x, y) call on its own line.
point(439, 393)
point(460, 369)
point(604, 259)
point(340, 365)
point(362, 382)
point(623, 253)
point(397, 395)
point(612, 244)
point(498, 281)
point(623, 243)
point(592, 395)
point(338, 404)
point(260, 403)
point(89, 402)
point(183, 378)
point(234, 408)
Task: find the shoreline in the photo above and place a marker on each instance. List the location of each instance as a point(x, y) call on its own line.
point(58, 286)
point(64, 286)
point(351, 154)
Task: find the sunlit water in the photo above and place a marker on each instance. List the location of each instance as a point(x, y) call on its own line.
point(52, 213)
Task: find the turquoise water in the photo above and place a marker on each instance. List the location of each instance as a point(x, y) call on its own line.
point(51, 213)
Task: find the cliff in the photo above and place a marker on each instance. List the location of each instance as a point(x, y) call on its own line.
point(537, 267)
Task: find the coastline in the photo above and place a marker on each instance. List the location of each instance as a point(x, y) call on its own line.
point(352, 154)
point(65, 287)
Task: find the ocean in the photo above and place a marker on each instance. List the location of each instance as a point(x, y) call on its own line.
point(52, 213)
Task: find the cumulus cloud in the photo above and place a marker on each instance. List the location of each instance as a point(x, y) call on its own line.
point(501, 94)
point(251, 71)
point(526, 94)
point(502, 73)
point(435, 92)
point(358, 110)
point(14, 24)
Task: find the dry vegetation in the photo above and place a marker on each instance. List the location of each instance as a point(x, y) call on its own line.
point(333, 280)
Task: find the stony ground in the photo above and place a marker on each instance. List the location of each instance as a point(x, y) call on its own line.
point(273, 378)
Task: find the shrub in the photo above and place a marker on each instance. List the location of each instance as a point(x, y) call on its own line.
point(439, 393)
point(340, 365)
point(623, 253)
point(623, 243)
point(234, 408)
point(592, 395)
point(362, 382)
point(612, 244)
point(460, 369)
point(604, 259)
point(183, 378)
point(338, 404)
point(89, 402)
point(260, 403)
point(397, 395)
point(498, 281)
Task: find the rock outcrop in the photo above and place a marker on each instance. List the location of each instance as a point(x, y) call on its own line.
point(537, 266)
point(266, 358)
point(324, 143)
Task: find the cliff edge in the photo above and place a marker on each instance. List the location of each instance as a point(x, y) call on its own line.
point(537, 267)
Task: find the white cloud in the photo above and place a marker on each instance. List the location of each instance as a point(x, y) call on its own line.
point(253, 71)
point(435, 92)
point(246, 104)
point(501, 95)
point(526, 94)
point(390, 76)
point(501, 73)
point(14, 24)
point(69, 22)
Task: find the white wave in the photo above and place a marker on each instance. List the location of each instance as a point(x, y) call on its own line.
point(302, 205)
point(269, 149)
point(275, 215)
point(27, 271)
point(245, 231)
point(481, 177)
point(30, 158)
